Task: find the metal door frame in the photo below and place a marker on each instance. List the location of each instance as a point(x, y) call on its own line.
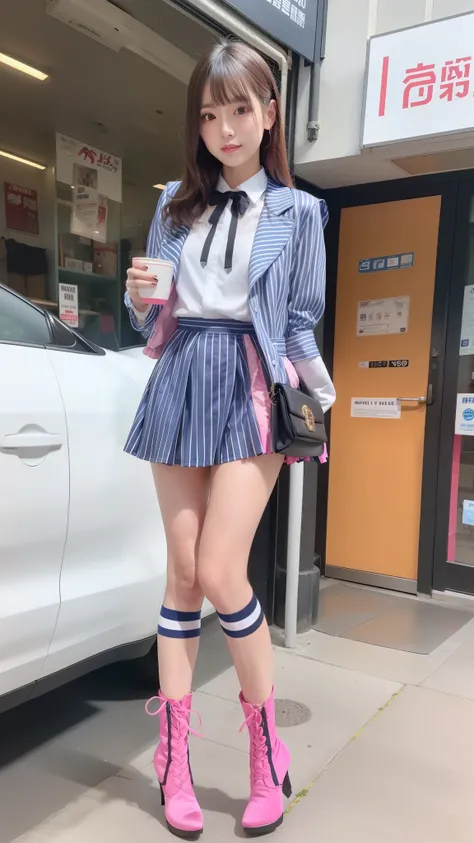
point(448, 575)
point(446, 185)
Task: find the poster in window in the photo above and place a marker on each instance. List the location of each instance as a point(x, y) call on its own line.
point(21, 208)
point(69, 304)
point(89, 207)
point(95, 168)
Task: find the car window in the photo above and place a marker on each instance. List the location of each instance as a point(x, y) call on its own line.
point(21, 322)
point(63, 336)
point(66, 339)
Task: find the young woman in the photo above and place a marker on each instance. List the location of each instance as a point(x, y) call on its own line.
point(249, 277)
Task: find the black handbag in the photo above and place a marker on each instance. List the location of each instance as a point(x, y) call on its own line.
point(297, 422)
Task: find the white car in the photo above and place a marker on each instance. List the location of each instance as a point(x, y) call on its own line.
point(82, 546)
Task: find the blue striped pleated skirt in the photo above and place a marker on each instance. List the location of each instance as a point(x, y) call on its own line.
point(197, 409)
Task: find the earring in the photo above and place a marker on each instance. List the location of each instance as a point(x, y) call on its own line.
point(267, 145)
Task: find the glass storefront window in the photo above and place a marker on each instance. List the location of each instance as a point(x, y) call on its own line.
point(461, 519)
point(91, 260)
point(128, 104)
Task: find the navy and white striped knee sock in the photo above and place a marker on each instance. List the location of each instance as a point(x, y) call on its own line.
point(174, 624)
point(243, 623)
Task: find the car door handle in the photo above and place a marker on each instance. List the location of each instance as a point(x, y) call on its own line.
point(34, 440)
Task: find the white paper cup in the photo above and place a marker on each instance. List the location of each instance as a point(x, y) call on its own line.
point(163, 272)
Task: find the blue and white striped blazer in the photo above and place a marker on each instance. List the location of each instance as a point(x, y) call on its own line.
point(287, 272)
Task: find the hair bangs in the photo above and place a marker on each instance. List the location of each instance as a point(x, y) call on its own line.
point(229, 82)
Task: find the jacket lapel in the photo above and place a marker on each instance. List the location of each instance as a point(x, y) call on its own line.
point(274, 229)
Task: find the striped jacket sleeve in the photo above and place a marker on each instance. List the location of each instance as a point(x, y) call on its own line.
point(307, 281)
point(144, 322)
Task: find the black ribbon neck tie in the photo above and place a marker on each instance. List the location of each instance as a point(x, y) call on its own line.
point(240, 204)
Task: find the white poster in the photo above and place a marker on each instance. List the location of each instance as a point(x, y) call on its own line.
point(106, 167)
point(89, 210)
point(466, 344)
point(375, 408)
point(383, 316)
point(465, 414)
point(69, 304)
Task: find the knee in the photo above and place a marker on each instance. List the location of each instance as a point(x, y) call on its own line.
point(182, 582)
point(226, 590)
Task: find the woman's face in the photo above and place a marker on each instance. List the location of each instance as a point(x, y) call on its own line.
point(233, 133)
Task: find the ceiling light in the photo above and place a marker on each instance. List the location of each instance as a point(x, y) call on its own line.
point(159, 186)
point(24, 68)
point(22, 160)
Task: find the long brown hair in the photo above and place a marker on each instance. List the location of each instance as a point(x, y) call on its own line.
point(233, 69)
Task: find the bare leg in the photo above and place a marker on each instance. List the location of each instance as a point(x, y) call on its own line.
point(239, 493)
point(182, 495)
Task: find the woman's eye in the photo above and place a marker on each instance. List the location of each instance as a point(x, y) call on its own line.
point(242, 109)
point(207, 117)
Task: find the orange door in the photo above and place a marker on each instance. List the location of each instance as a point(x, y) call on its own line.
point(375, 466)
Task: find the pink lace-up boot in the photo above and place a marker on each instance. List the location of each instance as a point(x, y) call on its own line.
point(182, 811)
point(269, 763)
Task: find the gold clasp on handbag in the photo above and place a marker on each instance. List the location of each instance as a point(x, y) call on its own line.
point(273, 394)
point(308, 418)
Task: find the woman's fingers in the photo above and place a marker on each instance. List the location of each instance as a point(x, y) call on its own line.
point(139, 278)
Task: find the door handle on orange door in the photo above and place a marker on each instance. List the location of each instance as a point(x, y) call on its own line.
point(421, 400)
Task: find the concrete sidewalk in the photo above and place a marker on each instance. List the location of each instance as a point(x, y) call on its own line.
point(384, 752)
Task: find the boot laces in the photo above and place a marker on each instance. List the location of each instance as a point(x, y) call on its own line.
point(180, 729)
point(258, 743)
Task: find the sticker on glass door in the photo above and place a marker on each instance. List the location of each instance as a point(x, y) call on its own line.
point(465, 414)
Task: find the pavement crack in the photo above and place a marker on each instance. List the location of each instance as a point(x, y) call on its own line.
point(305, 790)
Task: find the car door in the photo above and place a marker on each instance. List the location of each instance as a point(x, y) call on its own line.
point(113, 572)
point(34, 491)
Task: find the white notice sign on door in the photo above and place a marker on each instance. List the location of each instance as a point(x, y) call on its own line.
point(383, 316)
point(375, 408)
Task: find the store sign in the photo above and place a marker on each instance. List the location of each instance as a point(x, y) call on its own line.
point(292, 22)
point(420, 82)
point(465, 414)
point(69, 304)
point(21, 208)
point(81, 164)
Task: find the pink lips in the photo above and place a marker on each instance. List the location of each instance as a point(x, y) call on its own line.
point(230, 148)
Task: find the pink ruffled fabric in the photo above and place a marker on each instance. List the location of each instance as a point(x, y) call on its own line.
point(164, 329)
point(261, 399)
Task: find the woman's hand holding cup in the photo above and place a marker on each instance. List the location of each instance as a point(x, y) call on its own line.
point(138, 278)
point(149, 281)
